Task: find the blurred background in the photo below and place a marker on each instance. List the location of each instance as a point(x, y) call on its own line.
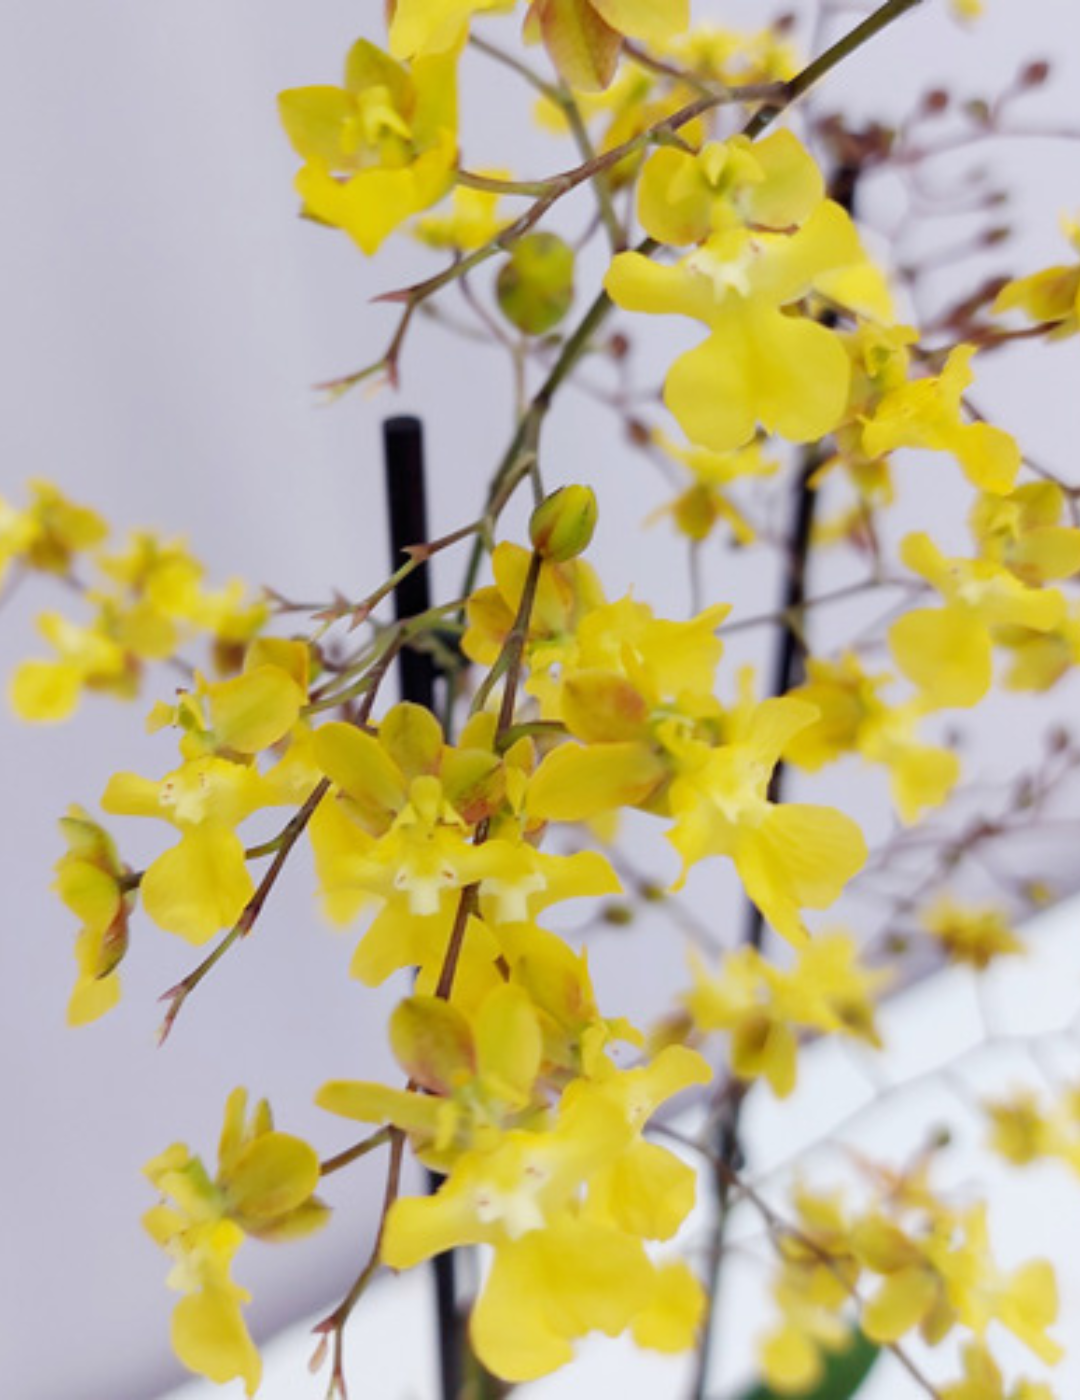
point(166, 316)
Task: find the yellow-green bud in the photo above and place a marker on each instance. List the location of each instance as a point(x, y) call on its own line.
point(535, 286)
point(562, 525)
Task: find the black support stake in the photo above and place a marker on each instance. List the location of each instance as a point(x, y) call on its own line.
point(403, 443)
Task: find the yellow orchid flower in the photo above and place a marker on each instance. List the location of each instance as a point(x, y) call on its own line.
point(264, 1186)
point(584, 38)
point(378, 150)
point(1050, 298)
point(948, 651)
point(48, 533)
point(853, 718)
point(789, 857)
point(926, 413)
point(759, 364)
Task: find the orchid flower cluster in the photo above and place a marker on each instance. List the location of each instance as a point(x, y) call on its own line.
point(447, 842)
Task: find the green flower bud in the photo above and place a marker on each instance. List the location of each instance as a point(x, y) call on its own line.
point(535, 286)
point(562, 525)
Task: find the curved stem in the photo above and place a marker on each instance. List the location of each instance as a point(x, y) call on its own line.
point(353, 1154)
point(813, 73)
point(176, 996)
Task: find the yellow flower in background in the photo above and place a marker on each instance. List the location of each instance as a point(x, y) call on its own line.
point(935, 1277)
point(49, 533)
point(975, 934)
point(435, 26)
point(87, 658)
point(927, 413)
point(789, 856)
point(584, 38)
point(244, 715)
point(1041, 657)
point(812, 1289)
point(773, 184)
point(162, 597)
point(1050, 298)
point(765, 1008)
point(731, 56)
point(983, 1380)
point(1025, 1301)
point(853, 718)
point(1024, 1130)
point(629, 106)
point(948, 651)
point(1023, 532)
point(151, 600)
point(707, 501)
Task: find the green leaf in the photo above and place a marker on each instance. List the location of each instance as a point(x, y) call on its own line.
point(845, 1372)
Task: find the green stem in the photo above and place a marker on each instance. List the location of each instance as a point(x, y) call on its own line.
point(508, 664)
point(601, 184)
point(491, 184)
point(368, 669)
point(334, 1325)
point(511, 61)
point(353, 1154)
point(812, 74)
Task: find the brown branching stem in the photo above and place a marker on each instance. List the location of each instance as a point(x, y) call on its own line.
point(176, 996)
point(354, 1153)
point(333, 1326)
point(836, 54)
point(419, 554)
point(510, 659)
point(373, 664)
point(737, 1188)
point(792, 617)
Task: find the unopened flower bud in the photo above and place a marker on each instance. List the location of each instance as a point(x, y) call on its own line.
point(562, 525)
point(936, 101)
point(535, 286)
point(1034, 74)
